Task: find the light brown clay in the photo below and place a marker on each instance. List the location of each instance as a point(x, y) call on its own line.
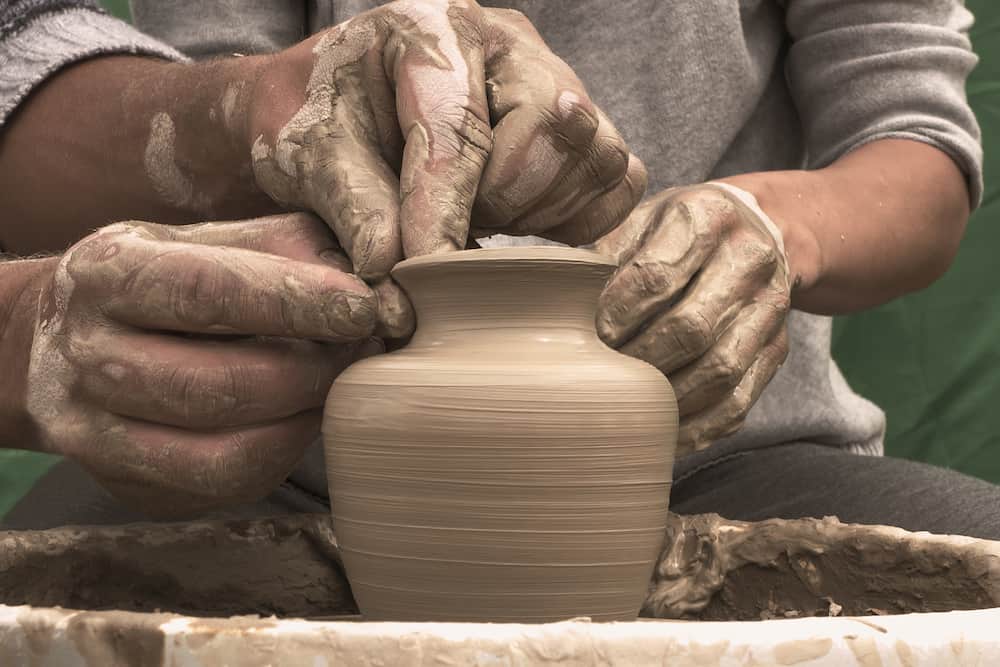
point(506, 465)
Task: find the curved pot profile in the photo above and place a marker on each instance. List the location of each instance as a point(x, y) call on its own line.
point(506, 465)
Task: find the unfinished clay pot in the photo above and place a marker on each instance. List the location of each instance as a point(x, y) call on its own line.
point(506, 465)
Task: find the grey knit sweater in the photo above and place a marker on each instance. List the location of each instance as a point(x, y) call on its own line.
point(700, 90)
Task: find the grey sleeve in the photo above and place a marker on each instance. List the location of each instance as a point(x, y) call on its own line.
point(862, 71)
point(206, 29)
point(38, 37)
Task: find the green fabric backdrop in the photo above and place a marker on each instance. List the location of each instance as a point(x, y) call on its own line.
point(932, 360)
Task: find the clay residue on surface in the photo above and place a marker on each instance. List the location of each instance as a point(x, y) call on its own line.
point(801, 650)
point(170, 183)
point(286, 566)
point(113, 638)
point(711, 569)
point(715, 569)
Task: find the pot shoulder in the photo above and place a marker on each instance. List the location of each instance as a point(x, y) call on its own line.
point(594, 365)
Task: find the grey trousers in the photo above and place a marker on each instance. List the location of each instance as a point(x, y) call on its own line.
point(782, 481)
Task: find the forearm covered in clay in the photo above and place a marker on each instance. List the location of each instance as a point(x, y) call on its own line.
point(21, 283)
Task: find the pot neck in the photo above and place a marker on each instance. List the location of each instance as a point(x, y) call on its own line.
point(505, 297)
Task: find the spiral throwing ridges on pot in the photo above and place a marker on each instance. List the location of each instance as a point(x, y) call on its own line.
point(506, 465)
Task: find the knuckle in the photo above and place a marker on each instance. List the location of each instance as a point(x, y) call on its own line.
point(460, 131)
point(735, 410)
point(705, 202)
point(742, 400)
point(609, 162)
point(125, 227)
point(726, 370)
point(91, 248)
point(648, 276)
point(106, 258)
point(759, 259)
point(198, 296)
point(574, 120)
point(691, 332)
point(85, 357)
point(781, 301)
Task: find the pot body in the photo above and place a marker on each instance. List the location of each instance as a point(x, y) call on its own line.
point(506, 465)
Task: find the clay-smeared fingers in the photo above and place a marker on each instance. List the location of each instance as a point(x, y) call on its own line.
point(625, 240)
point(305, 238)
point(712, 377)
point(338, 153)
point(721, 289)
point(606, 212)
point(173, 472)
point(396, 318)
point(536, 149)
point(701, 429)
point(348, 183)
point(671, 252)
point(150, 283)
point(601, 167)
point(300, 236)
point(555, 151)
point(441, 105)
point(201, 384)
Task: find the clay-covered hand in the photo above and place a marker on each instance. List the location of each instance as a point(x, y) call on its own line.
point(702, 293)
point(400, 125)
point(186, 367)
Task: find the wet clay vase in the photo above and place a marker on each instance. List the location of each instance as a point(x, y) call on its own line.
point(506, 465)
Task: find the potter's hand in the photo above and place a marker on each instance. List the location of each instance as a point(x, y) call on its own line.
point(701, 293)
point(186, 367)
point(398, 124)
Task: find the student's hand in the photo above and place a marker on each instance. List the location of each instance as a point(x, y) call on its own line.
point(186, 367)
point(702, 293)
point(404, 123)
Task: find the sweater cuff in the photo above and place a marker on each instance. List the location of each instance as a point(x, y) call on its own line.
point(52, 41)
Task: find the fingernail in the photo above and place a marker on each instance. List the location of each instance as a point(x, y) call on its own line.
point(357, 311)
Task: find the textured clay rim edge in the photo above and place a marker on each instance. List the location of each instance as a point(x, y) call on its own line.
point(542, 254)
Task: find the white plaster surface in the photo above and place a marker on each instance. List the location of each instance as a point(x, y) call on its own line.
point(45, 637)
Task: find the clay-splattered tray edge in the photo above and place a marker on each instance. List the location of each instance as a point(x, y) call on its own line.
point(42, 637)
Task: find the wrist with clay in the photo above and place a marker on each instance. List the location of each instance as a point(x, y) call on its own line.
point(770, 201)
point(22, 283)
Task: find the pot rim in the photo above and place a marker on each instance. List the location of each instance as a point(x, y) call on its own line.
point(543, 254)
